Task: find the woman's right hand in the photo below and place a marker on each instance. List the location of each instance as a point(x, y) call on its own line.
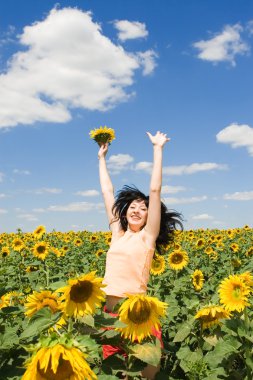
point(103, 150)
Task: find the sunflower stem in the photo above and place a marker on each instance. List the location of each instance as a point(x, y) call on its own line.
point(247, 347)
point(46, 271)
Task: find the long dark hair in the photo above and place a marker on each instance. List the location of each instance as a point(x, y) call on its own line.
point(169, 219)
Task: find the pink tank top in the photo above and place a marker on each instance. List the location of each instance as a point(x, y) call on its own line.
point(128, 264)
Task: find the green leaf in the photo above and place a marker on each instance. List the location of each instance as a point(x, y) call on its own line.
point(107, 377)
point(40, 321)
point(182, 333)
point(147, 352)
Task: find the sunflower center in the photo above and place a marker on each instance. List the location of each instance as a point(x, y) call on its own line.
point(64, 371)
point(81, 292)
point(140, 313)
point(177, 258)
point(5, 254)
point(237, 292)
point(51, 303)
point(41, 249)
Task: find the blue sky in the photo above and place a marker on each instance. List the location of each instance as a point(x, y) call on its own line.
point(183, 67)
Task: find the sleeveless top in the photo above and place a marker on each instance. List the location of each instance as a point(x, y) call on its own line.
point(128, 264)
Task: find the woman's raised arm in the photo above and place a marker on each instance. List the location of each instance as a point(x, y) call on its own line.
point(154, 210)
point(107, 187)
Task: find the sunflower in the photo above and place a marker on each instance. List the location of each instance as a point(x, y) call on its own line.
point(140, 314)
point(102, 135)
point(233, 293)
point(93, 238)
point(32, 268)
point(39, 231)
point(249, 251)
point(99, 252)
point(234, 247)
point(38, 300)
point(82, 295)
point(200, 243)
point(197, 279)
point(58, 362)
point(8, 299)
point(40, 250)
point(211, 315)
point(5, 251)
point(157, 265)
point(178, 259)
point(18, 244)
point(78, 242)
point(247, 278)
point(209, 250)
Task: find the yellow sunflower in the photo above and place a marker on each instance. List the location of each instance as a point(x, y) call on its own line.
point(211, 315)
point(234, 293)
point(18, 244)
point(40, 250)
point(249, 251)
point(234, 247)
point(58, 363)
point(140, 314)
point(39, 231)
point(102, 135)
point(197, 279)
point(38, 300)
point(178, 259)
point(247, 278)
point(157, 265)
point(9, 299)
point(99, 252)
point(5, 251)
point(200, 243)
point(82, 295)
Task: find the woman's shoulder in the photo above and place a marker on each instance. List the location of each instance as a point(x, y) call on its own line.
point(147, 239)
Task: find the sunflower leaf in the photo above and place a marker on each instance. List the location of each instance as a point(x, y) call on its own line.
point(147, 352)
point(39, 322)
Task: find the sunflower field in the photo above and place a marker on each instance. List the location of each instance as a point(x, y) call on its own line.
point(54, 325)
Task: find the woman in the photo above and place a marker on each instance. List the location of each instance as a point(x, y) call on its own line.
point(139, 225)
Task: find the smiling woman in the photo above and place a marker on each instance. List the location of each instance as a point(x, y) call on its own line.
point(139, 224)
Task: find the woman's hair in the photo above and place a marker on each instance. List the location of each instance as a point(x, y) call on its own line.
point(169, 219)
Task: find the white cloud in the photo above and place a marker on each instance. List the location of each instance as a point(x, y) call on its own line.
point(239, 196)
point(249, 27)
point(119, 162)
point(173, 201)
point(65, 62)
point(148, 60)
point(39, 210)
point(47, 190)
point(88, 193)
point(1, 177)
point(202, 217)
point(130, 29)
point(76, 207)
point(223, 46)
point(182, 169)
point(2, 195)
point(3, 211)
point(21, 172)
point(237, 136)
point(28, 217)
point(172, 189)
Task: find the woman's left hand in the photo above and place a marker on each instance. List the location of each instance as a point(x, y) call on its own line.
point(158, 139)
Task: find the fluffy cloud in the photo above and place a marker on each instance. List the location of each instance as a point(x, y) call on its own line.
point(239, 196)
point(28, 217)
point(224, 46)
point(119, 162)
point(88, 193)
point(172, 189)
point(66, 62)
point(3, 211)
point(77, 207)
point(182, 169)
point(173, 201)
point(1, 177)
point(202, 217)
point(130, 29)
point(47, 190)
point(21, 172)
point(237, 136)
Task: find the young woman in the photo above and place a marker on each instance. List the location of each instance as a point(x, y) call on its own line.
point(139, 225)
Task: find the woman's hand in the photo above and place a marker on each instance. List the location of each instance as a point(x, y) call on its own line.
point(158, 139)
point(103, 150)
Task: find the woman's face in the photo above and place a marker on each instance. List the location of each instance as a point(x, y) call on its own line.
point(137, 214)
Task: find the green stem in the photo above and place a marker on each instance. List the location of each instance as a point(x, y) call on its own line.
point(247, 347)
